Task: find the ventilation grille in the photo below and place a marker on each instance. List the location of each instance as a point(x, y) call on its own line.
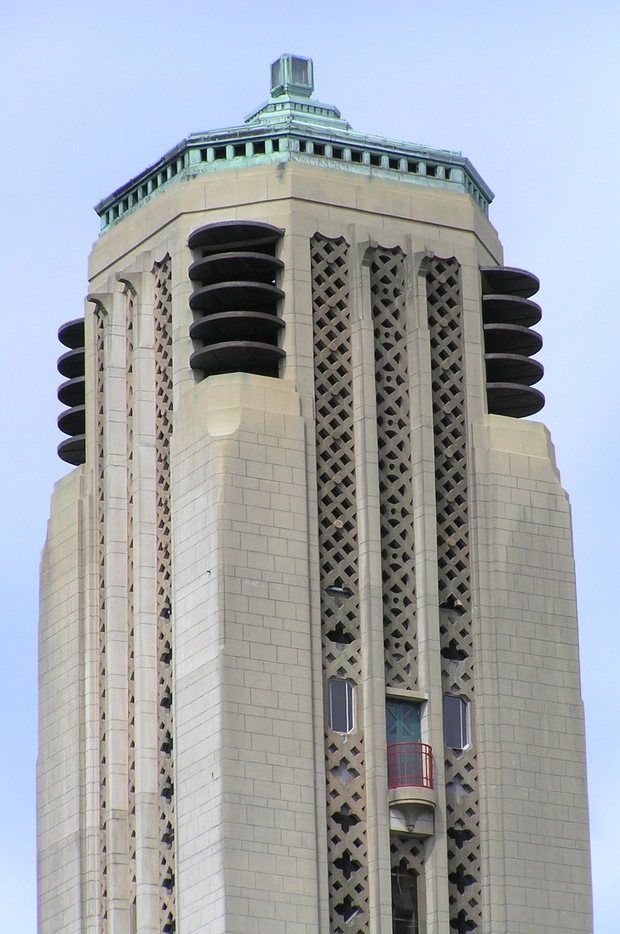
point(236, 325)
point(510, 342)
point(71, 393)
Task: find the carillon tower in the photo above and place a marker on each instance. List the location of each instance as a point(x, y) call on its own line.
point(308, 637)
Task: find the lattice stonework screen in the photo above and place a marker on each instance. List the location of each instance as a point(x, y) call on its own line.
point(131, 657)
point(101, 543)
point(163, 430)
point(450, 430)
point(387, 283)
point(387, 286)
point(338, 553)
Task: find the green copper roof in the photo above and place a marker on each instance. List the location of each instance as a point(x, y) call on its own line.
point(293, 126)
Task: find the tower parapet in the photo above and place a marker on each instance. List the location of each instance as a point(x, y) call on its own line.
point(294, 127)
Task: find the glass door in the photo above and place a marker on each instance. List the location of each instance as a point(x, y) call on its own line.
point(403, 721)
point(405, 751)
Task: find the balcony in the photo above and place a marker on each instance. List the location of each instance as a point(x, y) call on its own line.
point(410, 765)
point(411, 794)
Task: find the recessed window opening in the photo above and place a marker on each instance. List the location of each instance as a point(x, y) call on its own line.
point(455, 721)
point(219, 152)
point(404, 901)
point(341, 705)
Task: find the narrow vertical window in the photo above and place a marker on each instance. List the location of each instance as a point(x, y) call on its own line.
point(455, 721)
point(404, 901)
point(341, 705)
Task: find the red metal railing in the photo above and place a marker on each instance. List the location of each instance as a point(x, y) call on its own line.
point(410, 765)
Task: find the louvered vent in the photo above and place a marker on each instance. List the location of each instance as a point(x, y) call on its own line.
point(71, 393)
point(510, 342)
point(236, 298)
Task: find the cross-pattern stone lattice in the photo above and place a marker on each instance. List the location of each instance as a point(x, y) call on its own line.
point(101, 545)
point(450, 431)
point(131, 667)
point(387, 284)
point(163, 429)
point(338, 555)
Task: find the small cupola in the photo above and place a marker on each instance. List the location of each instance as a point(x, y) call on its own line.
point(292, 74)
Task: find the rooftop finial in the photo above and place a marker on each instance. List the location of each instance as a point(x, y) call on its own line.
point(292, 74)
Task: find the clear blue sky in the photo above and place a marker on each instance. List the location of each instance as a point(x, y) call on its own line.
point(93, 92)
